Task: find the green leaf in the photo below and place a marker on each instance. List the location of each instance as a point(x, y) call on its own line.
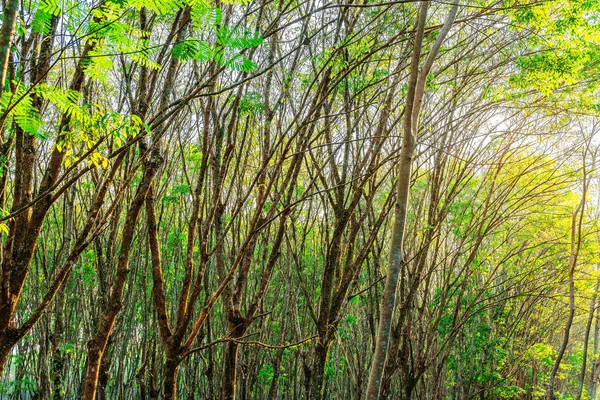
point(41, 22)
point(160, 7)
point(51, 7)
point(204, 16)
point(193, 49)
point(236, 39)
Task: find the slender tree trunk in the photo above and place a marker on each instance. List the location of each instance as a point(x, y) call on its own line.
point(57, 356)
point(586, 341)
point(596, 361)
point(416, 88)
point(576, 223)
point(209, 371)
point(44, 390)
point(6, 33)
point(279, 354)
point(400, 208)
point(276, 374)
point(565, 342)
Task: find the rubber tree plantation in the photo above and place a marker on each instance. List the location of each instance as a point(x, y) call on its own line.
point(318, 199)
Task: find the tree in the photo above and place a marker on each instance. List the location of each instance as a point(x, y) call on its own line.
point(414, 97)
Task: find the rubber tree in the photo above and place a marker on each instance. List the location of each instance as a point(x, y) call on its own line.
point(410, 124)
point(9, 20)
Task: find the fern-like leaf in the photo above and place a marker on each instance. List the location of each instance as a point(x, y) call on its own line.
point(236, 39)
point(41, 22)
point(51, 7)
point(160, 7)
point(193, 50)
point(204, 16)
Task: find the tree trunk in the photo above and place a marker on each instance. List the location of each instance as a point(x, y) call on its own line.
point(318, 371)
point(57, 364)
point(170, 385)
point(596, 361)
point(576, 238)
point(4, 353)
point(103, 375)
point(416, 88)
point(230, 371)
point(586, 342)
point(6, 33)
point(96, 349)
point(237, 326)
point(8, 340)
point(276, 374)
point(409, 387)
